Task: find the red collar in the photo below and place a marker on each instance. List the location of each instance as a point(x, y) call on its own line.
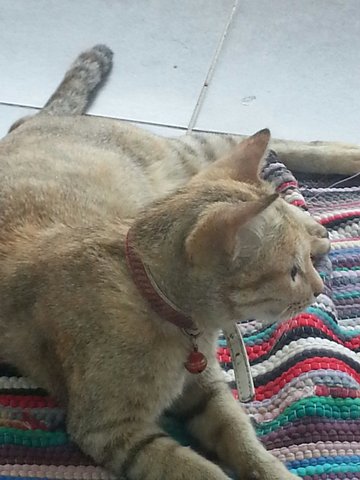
point(151, 292)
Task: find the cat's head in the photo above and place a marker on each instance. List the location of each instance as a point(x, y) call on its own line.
point(227, 247)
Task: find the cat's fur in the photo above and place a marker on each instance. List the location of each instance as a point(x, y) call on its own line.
point(221, 248)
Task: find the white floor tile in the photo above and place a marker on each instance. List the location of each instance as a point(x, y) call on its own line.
point(163, 51)
point(292, 66)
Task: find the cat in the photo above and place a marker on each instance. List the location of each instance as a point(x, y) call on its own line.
point(122, 255)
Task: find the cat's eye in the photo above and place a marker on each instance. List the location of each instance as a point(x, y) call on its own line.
point(294, 272)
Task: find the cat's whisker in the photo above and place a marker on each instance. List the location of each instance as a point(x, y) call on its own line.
point(284, 311)
point(339, 182)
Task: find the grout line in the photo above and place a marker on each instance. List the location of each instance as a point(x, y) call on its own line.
point(218, 132)
point(9, 104)
point(139, 122)
point(129, 120)
point(211, 70)
point(153, 124)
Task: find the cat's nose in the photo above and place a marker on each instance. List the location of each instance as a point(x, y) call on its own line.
point(317, 285)
point(318, 289)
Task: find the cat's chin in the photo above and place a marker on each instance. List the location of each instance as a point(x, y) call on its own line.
point(270, 318)
point(267, 318)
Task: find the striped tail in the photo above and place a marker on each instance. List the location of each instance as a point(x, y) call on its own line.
point(77, 89)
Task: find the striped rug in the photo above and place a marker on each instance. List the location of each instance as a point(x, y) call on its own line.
point(306, 370)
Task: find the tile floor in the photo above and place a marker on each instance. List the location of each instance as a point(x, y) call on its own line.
point(219, 65)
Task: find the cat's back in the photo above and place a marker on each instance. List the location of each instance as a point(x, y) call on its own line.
point(71, 166)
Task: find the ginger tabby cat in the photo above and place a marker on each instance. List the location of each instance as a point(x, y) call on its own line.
point(217, 242)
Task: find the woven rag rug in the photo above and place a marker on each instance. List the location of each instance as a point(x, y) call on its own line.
point(306, 370)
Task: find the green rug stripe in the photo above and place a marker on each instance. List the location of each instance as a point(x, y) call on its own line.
point(336, 408)
point(32, 438)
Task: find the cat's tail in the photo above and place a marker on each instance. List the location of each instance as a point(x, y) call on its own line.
point(77, 89)
point(199, 149)
point(79, 85)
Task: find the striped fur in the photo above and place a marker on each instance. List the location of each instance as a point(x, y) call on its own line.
point(73, 95)
point(91, 68)
point(72, 318)
point(66, 184)
point(301, 412)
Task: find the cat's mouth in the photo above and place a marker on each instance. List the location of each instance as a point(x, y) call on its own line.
point(274, 316)
point(272, 312)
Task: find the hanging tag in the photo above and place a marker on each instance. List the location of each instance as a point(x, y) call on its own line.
point(241, 365)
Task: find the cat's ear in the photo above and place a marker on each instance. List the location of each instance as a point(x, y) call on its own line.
point(220, 229)
point(243, 163)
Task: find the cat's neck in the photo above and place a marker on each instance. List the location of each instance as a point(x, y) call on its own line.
point(150, 290)
point(169, 291)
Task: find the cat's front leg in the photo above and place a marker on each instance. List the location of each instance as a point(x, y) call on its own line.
point(217, 420)
point(140, 451)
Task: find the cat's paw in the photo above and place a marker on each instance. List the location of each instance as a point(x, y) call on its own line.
point(280, 473)
point(283, 475)
point(270, 468)
point(320, 243)
point(315, 229)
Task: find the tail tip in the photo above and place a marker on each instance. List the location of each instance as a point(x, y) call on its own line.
point(105, 54)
